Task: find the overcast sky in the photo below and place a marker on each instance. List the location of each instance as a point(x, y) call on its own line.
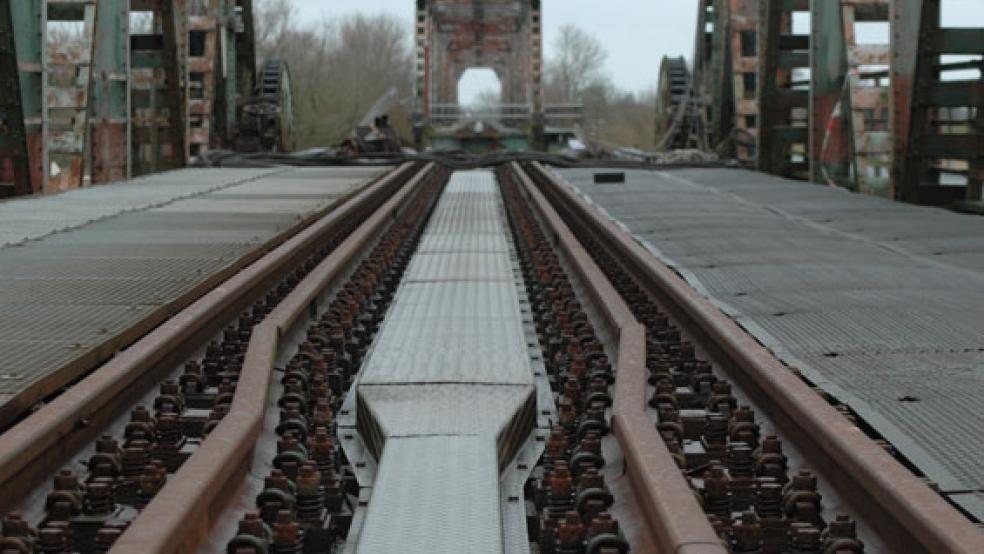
point(636, 33)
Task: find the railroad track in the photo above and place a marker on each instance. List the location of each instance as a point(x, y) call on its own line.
point(101, 450)
point(596, 404)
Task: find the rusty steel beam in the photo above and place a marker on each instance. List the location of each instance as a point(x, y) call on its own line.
point(672, 516)
point(110, 101)
point(741, 38)
point(937, 122)
point(423, 70)
point(829, 137)
point(158, 93)
point(110, 93)
point(66, 68)
point(901, 507)
point(456, 35)
point(725, 76)
point(36, 447)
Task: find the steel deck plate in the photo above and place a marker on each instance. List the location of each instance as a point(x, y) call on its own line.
point(30, 218)
point(878, 302)
point(105, 258)
point(448, 373)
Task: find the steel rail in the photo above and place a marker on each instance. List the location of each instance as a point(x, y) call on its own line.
point(36, 447)
point(181, 515)
point(676, 521)
point(904, 510)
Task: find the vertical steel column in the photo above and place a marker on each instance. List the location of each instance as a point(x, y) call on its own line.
point(110, 93)
point(422, 71)
point(246, 68)
point(15, 162)
point(868, 97)
point(246, 49)
point(829, 137)
point(726, 75)
point(29, 44)
point(742, 45)
point(711, 61)
point(783, 101)
point(536, 79)
point(939, 144)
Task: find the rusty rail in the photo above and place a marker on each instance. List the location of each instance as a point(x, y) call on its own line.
point(676, 521)
point(182, 513)
point(39, 445)
point(902, 508)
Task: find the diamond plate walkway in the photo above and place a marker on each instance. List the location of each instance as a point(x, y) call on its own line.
point(86, 272)
point(447, 392)
point(879, 303)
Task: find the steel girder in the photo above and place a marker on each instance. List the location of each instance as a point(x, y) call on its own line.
point(835, 110)
point(456, 35)
point(108, 101)
point(938, 121)
point(850, 132)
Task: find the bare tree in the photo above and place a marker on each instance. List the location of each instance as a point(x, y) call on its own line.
point(578, 64)
point(339, 68)
point(274, 20)
point(488, 99)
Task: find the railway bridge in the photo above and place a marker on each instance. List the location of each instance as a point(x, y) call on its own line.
point(761, 339)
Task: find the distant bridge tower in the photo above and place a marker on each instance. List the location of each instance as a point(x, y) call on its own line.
point(456, 35)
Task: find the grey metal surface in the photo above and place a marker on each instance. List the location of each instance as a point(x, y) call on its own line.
point(441, 410)
point(879, 303)
point(435, 495)
point(29, 218)
point(448, 380)
point(99, 260)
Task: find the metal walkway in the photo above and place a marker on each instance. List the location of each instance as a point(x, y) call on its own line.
point(85, 272)
point(878, 303)
point(446, 396)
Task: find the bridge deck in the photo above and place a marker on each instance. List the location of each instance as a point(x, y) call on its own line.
point(449, 385)
point(80, 271)
point(879, 303)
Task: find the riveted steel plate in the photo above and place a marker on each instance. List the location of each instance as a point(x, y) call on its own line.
point(878, 302)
